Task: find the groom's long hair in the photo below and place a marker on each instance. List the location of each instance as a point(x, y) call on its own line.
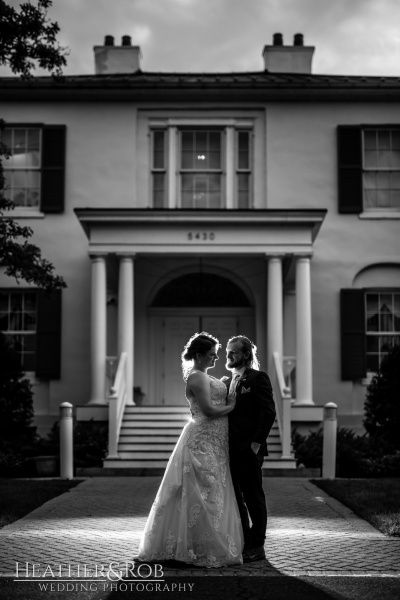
point(247, 346)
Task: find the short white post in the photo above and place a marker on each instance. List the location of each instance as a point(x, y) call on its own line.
point(66, 441)
point(329, 443)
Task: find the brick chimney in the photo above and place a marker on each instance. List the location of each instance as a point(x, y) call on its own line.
point(288, 59)
point(110, 59)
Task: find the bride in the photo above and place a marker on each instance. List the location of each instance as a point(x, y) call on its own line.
point(194, 518)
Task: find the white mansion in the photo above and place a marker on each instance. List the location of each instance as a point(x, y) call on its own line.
point(262, 203)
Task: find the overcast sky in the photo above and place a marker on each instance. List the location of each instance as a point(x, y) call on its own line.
point(358, 37)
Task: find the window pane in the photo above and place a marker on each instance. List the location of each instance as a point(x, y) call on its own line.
point(4, 301)
point(386, 302)
point(30, 321)
point(384, 140)
point(383, 181)
point(372, 322)
point(29, 343)
point(158, 149)
point(396, 159)
point(372, 343)
point(383, 199)
point(3, 321)
point(396, 322)
point(396, 140)
point(370, 199)
point(370, 159)
point(201, 142)
point(215, 141)
point(384, 159)
point(158, 190)
point(243, 150)
point(372, 302)
point(370, 140)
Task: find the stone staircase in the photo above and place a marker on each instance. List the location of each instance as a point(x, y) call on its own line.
point(149, 433)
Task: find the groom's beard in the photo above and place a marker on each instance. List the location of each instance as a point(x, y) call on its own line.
point(234, 364)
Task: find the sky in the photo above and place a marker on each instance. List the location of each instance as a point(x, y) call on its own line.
point(351, 37)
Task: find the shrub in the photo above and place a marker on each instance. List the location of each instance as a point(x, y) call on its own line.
point(356, 456)
point(16, 411)
point(382, 404)
point(90, 442)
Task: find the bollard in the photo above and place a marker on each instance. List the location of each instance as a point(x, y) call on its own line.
point(66, 441)
point(329, 443)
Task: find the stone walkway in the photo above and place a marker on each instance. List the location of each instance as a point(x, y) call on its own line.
point(100, 522)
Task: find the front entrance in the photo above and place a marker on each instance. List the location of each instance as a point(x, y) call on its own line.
point(172, 326)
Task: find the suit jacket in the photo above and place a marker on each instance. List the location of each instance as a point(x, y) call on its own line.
point(254, 413)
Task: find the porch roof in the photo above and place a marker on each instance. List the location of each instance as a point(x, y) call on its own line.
point(220, 231)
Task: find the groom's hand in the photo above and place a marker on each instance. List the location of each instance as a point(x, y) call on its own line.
point(255, 447)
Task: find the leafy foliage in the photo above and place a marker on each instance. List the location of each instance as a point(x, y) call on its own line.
point(356, 456)
point(382, 405)
point(22, 259)
point(16, 411)
point(29, 38)
point(90, 442)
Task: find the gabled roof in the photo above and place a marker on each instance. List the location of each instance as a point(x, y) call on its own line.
point(257, 85)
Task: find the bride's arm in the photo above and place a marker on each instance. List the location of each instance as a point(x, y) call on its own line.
point(199, 384)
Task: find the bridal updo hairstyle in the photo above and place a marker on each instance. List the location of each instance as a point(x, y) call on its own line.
point(199, 343)
point(247, 346)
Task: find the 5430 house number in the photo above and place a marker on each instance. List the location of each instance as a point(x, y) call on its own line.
point(201, 236)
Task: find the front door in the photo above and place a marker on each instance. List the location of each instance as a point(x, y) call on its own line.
point(176, 331)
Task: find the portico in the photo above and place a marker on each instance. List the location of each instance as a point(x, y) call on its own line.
point(284, 239)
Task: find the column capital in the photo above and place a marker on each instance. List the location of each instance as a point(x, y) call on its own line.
point(126, 254)
point(275, 256)
point(305, 255)
point(97, 255)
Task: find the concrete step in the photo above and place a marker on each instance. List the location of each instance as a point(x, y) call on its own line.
point(157, 417)
point(155, 462)
point(156, 409)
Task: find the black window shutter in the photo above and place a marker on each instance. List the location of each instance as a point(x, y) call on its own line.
point(53, 168)
point(352, 313)
point(48, 335)
point(350, 169)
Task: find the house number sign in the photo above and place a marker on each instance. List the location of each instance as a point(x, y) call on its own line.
point(202, 236)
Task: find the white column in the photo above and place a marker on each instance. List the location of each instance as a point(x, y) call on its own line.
point(98, 329)
point(303, 332)
point(172, 168)
point(275, 311)
point(126, 317)
point(230, 167)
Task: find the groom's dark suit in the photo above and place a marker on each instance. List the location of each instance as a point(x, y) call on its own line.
point(251, 421)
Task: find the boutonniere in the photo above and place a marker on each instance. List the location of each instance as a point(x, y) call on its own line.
point(245, 390)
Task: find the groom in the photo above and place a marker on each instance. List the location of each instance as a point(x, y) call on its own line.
point(249, 425)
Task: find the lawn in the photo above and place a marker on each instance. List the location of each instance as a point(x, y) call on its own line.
point(18, 497)
point(375, 500)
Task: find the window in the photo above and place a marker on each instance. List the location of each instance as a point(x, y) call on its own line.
point(381, 172)
point(18, 323)
point(368, 169)
point(201, 167)
point(35, 171)
point(370, 326)
point(22, 168)
point(382, 326)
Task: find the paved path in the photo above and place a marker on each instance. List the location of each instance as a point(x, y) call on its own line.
point(100, 521)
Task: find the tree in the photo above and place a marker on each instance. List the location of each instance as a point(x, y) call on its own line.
point(382, 405)
point(27, 38)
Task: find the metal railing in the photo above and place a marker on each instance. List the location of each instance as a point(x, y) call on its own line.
point(116, 405)
point(283, 403)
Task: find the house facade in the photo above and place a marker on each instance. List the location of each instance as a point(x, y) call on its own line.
point(263, 203)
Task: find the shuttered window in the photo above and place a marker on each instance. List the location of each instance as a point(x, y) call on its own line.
point(31, 320)
point(35, 171)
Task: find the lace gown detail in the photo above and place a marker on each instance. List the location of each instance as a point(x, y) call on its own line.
point(194, 518)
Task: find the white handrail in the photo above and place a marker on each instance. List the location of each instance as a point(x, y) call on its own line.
point(116, 405)
point(283, 405)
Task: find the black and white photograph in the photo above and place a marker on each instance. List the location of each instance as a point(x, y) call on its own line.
point(199, 299)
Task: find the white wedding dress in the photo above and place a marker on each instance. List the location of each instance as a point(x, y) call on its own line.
point(194, 518)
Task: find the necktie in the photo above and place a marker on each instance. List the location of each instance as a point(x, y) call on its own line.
point(234, 383)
